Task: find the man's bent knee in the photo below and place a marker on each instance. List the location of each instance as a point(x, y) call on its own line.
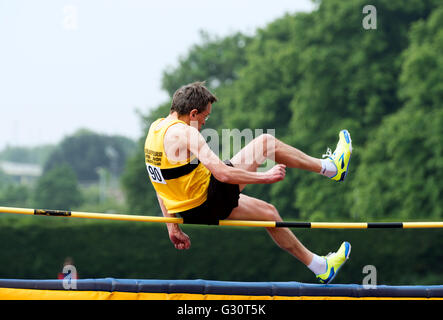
point(270, 213)
point(264, 147)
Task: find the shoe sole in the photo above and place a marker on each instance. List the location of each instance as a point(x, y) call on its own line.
point(348, 141)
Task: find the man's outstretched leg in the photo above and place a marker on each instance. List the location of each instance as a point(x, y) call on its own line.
point(325, 268)
point(335, 165)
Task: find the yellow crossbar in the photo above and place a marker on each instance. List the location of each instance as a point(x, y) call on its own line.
point(239, 223)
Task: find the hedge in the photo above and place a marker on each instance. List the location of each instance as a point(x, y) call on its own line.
point(35, 248)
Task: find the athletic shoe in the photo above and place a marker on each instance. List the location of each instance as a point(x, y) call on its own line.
point(334, 261)
point(341, 156)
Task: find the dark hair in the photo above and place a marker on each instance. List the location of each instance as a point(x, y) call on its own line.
point(192, 96)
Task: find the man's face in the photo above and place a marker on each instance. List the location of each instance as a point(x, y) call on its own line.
point(199, 119)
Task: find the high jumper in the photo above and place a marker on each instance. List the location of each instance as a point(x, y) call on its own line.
point(190, 180)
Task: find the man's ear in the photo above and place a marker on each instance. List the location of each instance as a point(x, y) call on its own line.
point(193, 113)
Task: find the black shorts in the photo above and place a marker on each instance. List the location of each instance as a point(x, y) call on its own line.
point(222, 199)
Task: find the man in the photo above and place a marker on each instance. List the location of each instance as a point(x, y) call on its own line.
point(190, 180)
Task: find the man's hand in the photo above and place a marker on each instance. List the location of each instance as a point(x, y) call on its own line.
point(275, 174)
point(179, 239)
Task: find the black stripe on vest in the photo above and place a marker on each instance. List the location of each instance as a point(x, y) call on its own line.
point(174, 173)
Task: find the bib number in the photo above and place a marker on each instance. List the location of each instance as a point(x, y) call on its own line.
point(155, 174)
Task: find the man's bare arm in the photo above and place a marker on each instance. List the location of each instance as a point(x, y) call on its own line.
point(170, 226)
point(179, 239)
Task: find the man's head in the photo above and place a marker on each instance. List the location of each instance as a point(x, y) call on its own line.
point(193, 100)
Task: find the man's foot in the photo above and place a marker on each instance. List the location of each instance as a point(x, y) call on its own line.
point(334, 261)
point(341, 156)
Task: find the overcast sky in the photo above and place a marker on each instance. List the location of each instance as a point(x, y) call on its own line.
point(66, 65)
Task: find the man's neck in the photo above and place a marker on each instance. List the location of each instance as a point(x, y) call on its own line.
point(175, 116)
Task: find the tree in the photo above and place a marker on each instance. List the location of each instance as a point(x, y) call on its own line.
point(401, 172)
point(15, 195)
point(58, 189)
point(86, 151)
point(350, 80)
point(215, 60)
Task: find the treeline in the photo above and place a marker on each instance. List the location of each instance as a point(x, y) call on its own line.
point(74, 172)
point(309, 75)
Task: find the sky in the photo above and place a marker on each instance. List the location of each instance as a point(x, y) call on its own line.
point(66, 65)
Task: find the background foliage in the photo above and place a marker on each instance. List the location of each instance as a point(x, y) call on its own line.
point(36, 250)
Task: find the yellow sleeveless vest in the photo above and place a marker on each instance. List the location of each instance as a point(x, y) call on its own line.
point(181, 186)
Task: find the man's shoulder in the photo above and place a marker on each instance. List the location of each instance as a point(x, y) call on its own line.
point(175, 142)
point(177, 131)
point(179, 126)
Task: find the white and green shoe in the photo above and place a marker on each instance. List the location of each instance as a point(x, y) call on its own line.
point(341, 156)
point(334, 261)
